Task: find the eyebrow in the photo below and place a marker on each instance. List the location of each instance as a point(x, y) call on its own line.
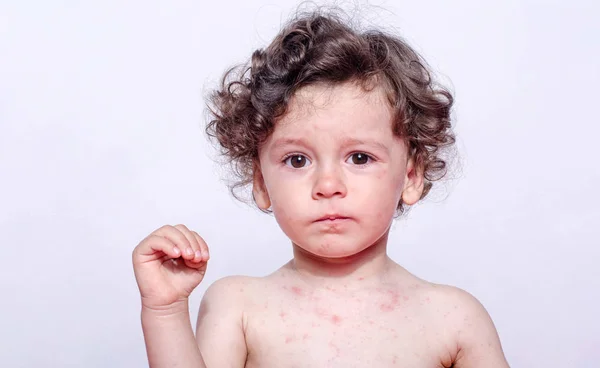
point(281, 142)
point(370, 142)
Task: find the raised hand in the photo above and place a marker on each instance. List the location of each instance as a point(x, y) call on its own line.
point(168, 264)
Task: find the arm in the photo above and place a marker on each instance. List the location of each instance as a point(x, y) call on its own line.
point(169, 338)
point(168, 264)
point(478, 341)
point(220, 326)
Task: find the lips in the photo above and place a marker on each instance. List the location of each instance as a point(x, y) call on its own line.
point(332, 217)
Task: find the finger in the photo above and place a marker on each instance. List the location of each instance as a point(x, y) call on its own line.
point(156, 246)
point(199, 261)
point(203, 246)
point(178, 238)
point(193, 253)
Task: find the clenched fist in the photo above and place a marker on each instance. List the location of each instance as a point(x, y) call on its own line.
point(168, 264)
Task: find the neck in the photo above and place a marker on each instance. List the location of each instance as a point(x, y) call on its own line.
point(360, 270)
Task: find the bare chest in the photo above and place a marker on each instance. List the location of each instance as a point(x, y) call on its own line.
point(379, 330)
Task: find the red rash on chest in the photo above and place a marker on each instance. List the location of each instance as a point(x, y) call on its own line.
point(335, 347)
point(392, 300)
point(296, 290)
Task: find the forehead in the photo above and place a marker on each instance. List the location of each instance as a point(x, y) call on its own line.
point(340, 109)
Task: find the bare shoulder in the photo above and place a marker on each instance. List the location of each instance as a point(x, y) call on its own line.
point(230, 287)
point(228, 297)
point(455, 310)
point(220, 329)
point(453, 300)
point(235, 294)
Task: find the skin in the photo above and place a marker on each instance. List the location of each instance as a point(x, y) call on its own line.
point(333, 173)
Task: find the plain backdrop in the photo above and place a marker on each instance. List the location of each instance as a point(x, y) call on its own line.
point(101, 142)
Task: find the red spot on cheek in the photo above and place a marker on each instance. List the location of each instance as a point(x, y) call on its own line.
point(336, 319)
point(288, 339)
point(282, 315)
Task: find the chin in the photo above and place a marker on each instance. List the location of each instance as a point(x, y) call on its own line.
point(334, 248)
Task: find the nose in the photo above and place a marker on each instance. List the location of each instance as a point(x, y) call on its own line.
point(329, 183)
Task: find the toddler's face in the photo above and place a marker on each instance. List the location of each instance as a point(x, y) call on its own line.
point(333, 172)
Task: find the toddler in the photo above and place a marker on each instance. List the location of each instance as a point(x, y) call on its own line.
point(337, 131)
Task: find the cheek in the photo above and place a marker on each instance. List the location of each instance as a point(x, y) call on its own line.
point(287, 199)
point(381, 208)
point(382, 183)
point(394, 185)
point(378, 197)
point(287, 214)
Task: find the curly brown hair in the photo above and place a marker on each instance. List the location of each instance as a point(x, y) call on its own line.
point(319, 48)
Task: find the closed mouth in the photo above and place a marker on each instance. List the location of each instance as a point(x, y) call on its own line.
point(332, 218)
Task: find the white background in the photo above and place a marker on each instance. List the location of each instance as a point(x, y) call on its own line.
point(101, 142)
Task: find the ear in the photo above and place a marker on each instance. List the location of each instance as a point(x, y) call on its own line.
point(413, 183)
point(259, 190)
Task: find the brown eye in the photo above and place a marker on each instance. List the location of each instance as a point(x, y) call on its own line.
point(360, 158)
point(296, 161)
